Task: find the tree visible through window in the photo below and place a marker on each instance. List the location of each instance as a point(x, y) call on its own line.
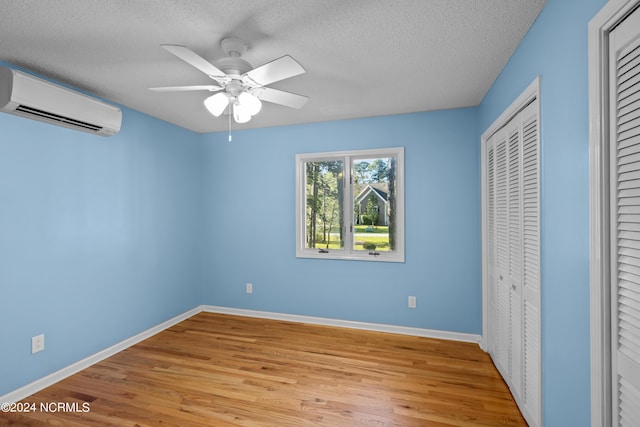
point(324, 218)
point(350, 205)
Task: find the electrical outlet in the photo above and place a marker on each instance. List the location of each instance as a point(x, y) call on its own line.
point(37, 343)
point(249, 288)
point(412, 302)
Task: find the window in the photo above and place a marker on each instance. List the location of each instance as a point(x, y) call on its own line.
point(350, 205)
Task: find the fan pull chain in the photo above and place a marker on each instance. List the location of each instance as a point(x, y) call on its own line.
point(230, 122)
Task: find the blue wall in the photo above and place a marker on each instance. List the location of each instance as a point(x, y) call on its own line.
point(556, 49)
point(249, 228)
point(98, 238)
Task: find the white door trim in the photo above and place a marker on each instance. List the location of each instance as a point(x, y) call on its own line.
point(599, 27)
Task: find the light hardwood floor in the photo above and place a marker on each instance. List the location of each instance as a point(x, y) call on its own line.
point(222, 370)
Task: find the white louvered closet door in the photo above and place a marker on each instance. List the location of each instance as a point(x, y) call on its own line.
point(502, 255)
point(625, 216)
point(490, 259)
point(513, 256)
point(515, 237)
point(531, 389)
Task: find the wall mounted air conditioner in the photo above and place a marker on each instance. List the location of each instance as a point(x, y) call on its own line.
point(34, 98)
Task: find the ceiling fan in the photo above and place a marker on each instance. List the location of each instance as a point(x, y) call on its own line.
point(240, 87)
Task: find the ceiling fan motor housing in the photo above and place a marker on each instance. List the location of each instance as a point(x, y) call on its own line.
point(233, 67)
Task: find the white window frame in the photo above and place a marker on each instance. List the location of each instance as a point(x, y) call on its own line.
point(348, 253)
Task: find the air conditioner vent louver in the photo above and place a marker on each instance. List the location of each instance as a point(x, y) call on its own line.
point(57, 118)
point(27, 96)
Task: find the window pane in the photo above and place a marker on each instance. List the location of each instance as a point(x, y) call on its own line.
point(324, 198)
point(374, 204)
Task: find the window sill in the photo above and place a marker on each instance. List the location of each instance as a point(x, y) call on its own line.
point(337, 255)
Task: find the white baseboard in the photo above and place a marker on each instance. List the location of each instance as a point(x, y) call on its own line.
point(378, 327)
point(74, 368)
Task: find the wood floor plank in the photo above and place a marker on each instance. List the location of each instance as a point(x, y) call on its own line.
point(222, 370)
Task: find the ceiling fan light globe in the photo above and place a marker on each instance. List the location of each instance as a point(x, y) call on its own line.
point(217, 103)
point(240, 114)
point(250, 103)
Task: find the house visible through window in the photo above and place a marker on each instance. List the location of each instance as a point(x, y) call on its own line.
point(350, 205)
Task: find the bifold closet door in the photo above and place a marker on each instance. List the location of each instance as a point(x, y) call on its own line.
point(625, 220)
point(532, 332)
point(501, 276)
point(512, 231)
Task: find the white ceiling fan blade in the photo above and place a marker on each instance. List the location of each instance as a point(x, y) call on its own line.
point(281, 97)
point(210, 88)
point(195, 60)
point(276, 70)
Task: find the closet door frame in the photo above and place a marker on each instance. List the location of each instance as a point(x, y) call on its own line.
point(599, 195)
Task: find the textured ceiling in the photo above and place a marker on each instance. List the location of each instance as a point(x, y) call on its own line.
point(362, 57)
